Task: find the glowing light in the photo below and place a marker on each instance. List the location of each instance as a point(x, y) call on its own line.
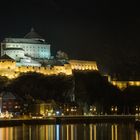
point(136, 108)
point(112, 108)
point(57, 113)
point(116, 108)
point(49, 114)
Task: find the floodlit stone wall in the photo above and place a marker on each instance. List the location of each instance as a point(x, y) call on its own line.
point(7, 64)
point(83, 65)
point(9, 69)
point(124, 84)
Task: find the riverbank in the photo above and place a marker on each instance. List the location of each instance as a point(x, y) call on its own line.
point(71, 120)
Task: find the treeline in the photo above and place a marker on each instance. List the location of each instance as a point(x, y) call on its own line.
point(39, 86)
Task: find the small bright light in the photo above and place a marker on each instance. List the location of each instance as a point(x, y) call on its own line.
point(90, 109)
point(49, 114)
point(72, 109)
point(62, 114)
point(57, 112)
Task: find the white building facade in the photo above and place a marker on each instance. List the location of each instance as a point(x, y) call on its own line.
point(25, 50)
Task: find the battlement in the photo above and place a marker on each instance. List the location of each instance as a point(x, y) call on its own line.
point(83, 65)
point(56, 70)
point(124, 84)
point(9, 68)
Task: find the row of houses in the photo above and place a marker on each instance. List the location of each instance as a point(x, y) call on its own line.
point(18, 107)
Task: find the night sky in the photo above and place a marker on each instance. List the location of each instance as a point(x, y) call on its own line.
point(105, 31)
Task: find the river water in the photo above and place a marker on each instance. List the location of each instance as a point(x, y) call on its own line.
point(100, 131)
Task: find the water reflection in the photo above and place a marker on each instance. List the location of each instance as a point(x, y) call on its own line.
point(101, 131)
point(114, 132)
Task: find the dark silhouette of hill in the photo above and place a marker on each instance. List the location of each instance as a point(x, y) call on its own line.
point(42, 87)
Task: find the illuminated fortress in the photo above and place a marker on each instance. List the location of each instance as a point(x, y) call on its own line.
point(33, 54)
point(21, 55)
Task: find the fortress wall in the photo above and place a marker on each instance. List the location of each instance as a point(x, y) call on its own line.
point(7, 64)
point(83, 65)
point(10, 70)
point(124, 84)
point(14, 71)
point(8, 73)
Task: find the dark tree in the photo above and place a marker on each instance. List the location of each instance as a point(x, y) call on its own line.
point(43, 87)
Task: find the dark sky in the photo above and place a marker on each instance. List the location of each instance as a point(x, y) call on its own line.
point(105, 31)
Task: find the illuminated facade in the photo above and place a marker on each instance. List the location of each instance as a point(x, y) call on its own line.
point(83, 65)
point(26, 50)
point(9, 68)
point(124, 84)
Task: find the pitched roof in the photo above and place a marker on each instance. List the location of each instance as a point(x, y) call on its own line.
point(32, 34)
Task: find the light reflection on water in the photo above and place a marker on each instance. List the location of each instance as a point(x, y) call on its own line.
point(103, 131)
